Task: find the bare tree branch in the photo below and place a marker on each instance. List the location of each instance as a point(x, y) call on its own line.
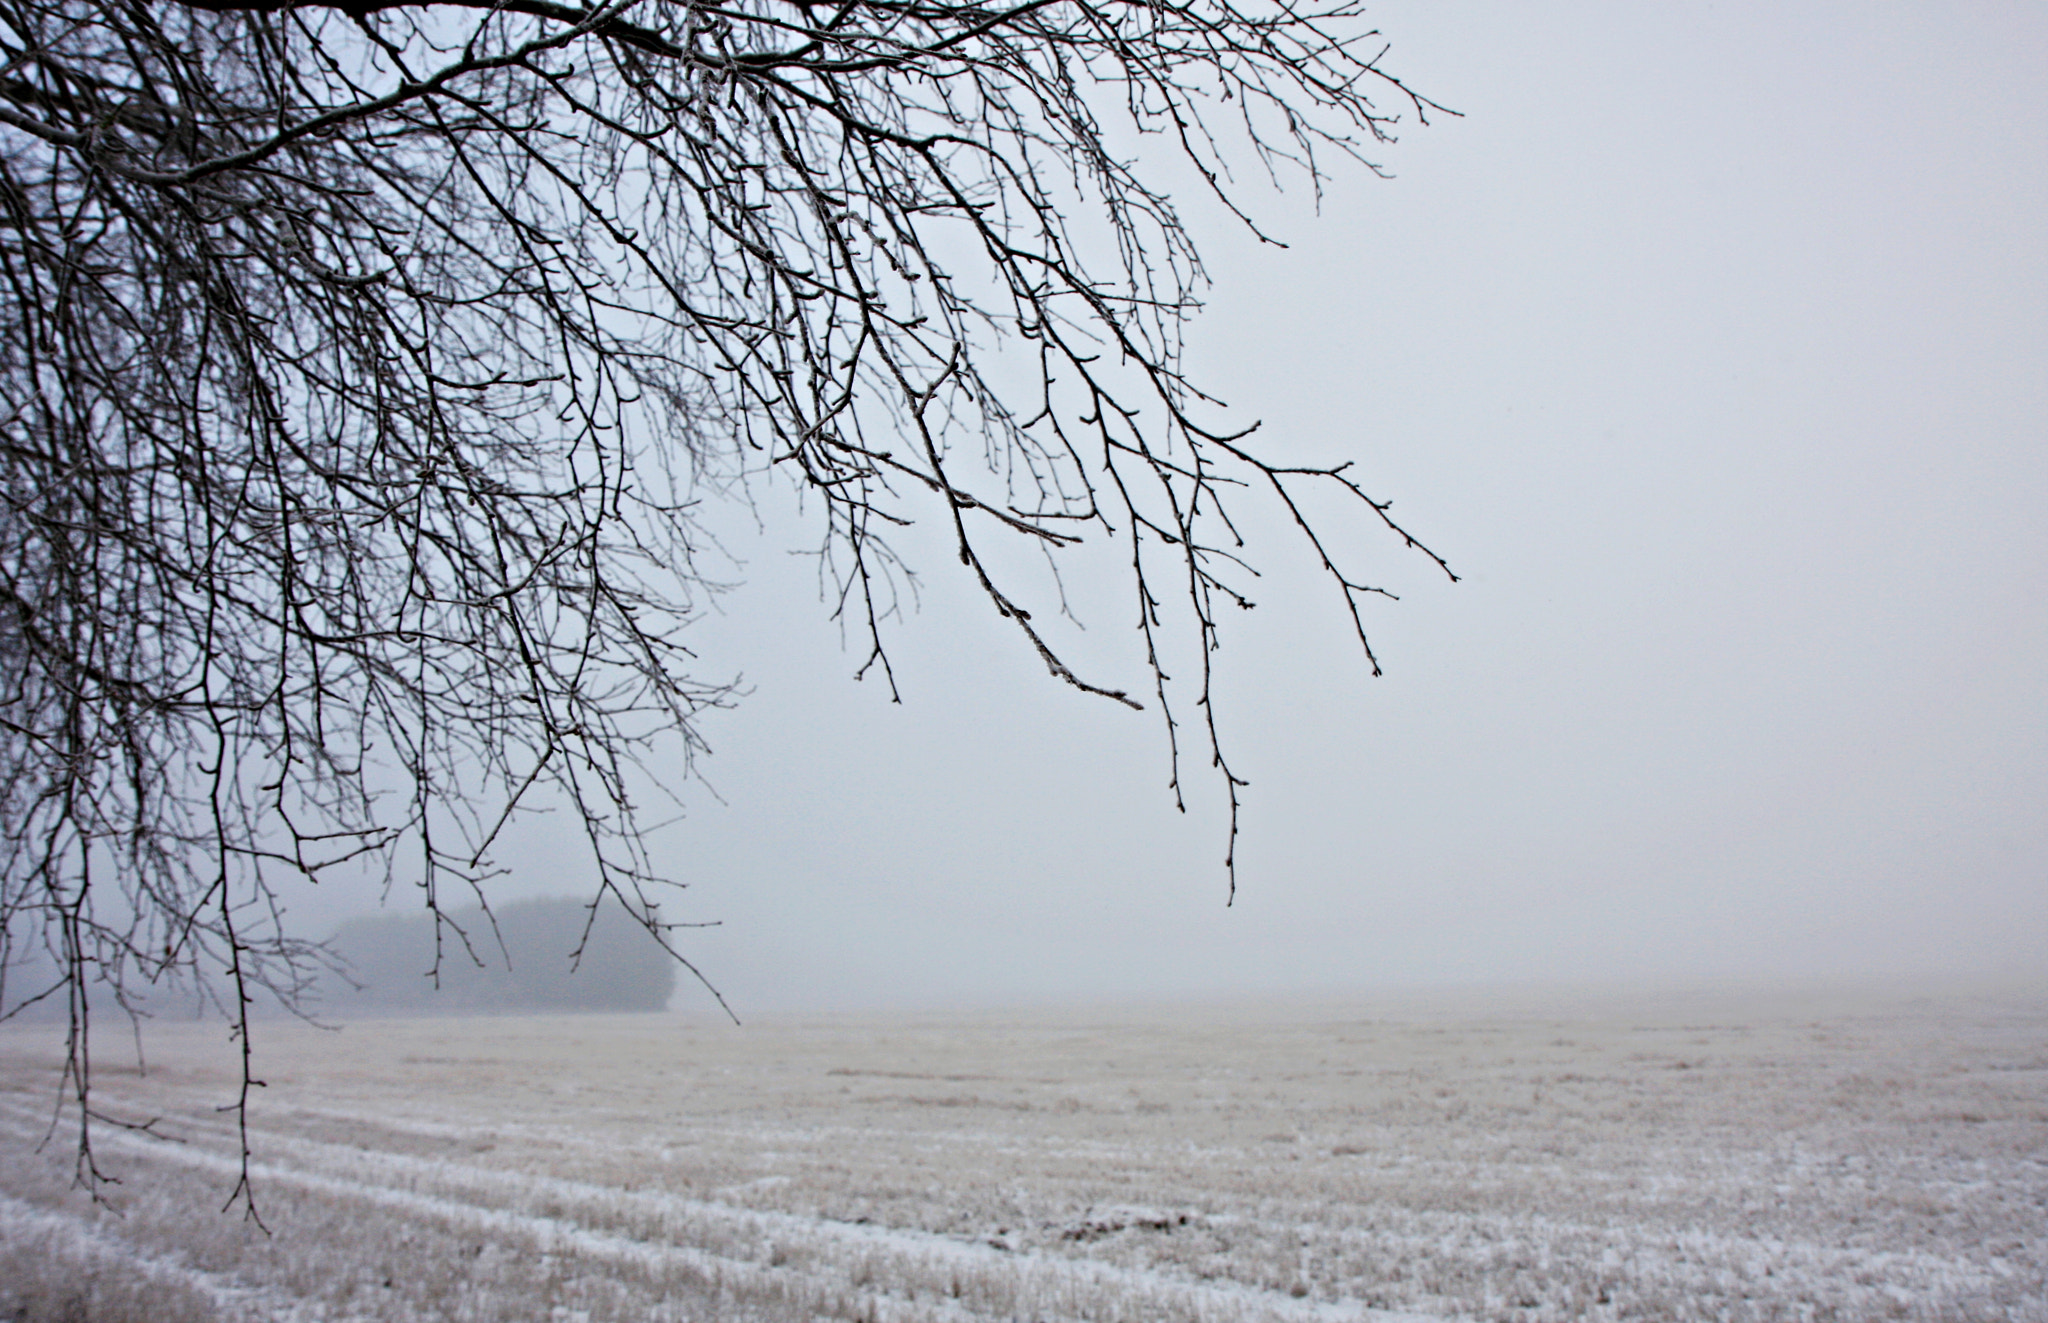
point(361, 366)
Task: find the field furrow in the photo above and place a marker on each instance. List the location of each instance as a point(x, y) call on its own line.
point(1783, 1162)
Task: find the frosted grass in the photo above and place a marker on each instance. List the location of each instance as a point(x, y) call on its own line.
point(1715, 1157)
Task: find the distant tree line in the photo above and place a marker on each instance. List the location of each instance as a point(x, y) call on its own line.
point(538, 955)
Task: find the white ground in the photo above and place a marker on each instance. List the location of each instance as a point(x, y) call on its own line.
point(1709, 1156)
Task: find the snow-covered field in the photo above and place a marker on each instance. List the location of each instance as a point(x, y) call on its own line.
point(1509, 1156)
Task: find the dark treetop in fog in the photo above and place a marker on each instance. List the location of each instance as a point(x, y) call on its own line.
point(549, 955)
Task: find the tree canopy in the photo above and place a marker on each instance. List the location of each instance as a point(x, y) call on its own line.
point(362, 366)
point(553, 954)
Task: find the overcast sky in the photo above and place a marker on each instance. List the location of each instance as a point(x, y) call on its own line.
point(1711, 347)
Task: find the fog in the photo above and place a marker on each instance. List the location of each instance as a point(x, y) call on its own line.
point(1710, 346)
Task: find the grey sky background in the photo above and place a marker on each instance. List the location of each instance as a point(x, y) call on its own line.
point(1711, 346)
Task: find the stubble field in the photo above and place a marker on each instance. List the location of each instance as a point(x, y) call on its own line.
point(1512, 1157)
